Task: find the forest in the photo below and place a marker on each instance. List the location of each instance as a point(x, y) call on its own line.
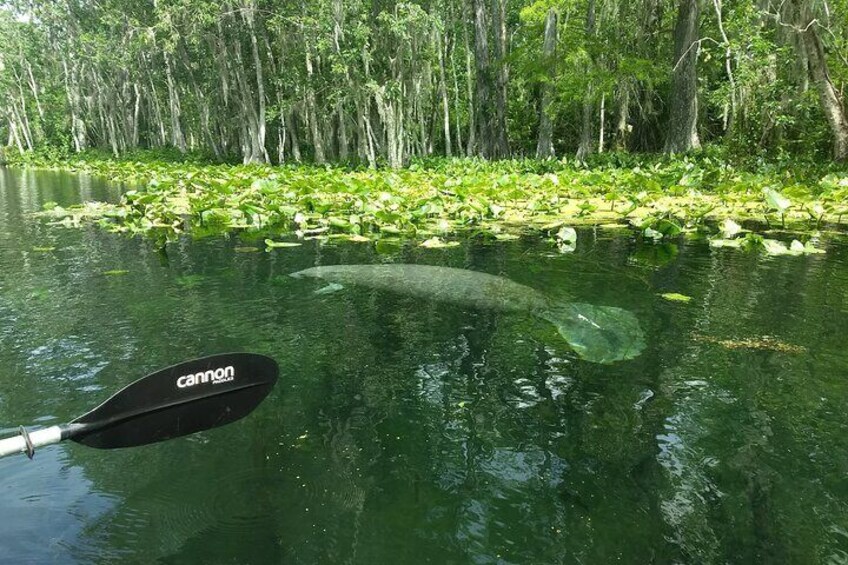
point(382, 83)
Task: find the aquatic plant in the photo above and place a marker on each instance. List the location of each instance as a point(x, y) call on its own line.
point(498, 200)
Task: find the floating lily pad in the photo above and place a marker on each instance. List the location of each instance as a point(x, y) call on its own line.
point(730, 229)
point(436, 243)
point(567, 235)
point(271, 244)
point(774, 247)
point(676, 297)
point(733, 243)
point(651, 233)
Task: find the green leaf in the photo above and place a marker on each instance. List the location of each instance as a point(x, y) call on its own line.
point(567, 235)
point(776, 201)
point(271, 244)
point(676, 297)
point(651, 233)
point(734, 243)
point(729, 228)
point(436, 243)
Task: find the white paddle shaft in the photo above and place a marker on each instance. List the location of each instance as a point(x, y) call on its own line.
point(39, 438)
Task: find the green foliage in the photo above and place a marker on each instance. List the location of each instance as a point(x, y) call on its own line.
point(201, 75)
point(430, 200)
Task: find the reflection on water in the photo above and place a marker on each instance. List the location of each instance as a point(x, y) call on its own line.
point(407, 430)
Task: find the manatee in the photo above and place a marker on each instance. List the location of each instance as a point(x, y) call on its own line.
point(600, 334)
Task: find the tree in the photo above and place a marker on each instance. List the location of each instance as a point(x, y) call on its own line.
point(831, 99)
point(683, 116)
point(384, 81)
point(544, 147)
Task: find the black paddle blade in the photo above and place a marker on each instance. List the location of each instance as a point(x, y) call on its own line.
point(177, 401)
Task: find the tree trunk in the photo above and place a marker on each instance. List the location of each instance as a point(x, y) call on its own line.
point(281, 139)
point(601, 124)
point(317, 142)
point(13, 130)
point(72, 92)
point(683, 118)
point(177, 138)
point(587, 136)
point(622, 128)
point(456, 104)
point(295, 143)
point(830, 99)
point(258, 153)
point(485, 137)
point(472, 112)
point(544, 146)
point(501, 140)
point(343, 141)
point(730, 108)
point(443, 92)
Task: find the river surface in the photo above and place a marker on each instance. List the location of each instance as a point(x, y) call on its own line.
point(409, 431)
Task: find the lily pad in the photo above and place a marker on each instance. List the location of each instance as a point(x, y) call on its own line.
point(776, 201)
point(676, 297)
point(734, 243)
point(567, 235)
point(651, 233)
point(436, 243)
point(271, 244)
point(775, 247)
point(729, 228)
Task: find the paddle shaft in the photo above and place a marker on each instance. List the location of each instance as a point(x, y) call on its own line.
point(38, 438)
point(26, 441)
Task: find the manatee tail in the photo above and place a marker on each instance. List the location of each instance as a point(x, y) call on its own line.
point(600, 334)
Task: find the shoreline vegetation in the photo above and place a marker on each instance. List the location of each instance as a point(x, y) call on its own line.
point(428, 121)
point(439, 200)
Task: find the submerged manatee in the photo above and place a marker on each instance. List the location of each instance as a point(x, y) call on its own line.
point(601, 334)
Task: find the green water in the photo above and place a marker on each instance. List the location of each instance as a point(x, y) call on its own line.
point(408, 431)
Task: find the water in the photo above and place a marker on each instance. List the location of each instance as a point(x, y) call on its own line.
point(407, 431)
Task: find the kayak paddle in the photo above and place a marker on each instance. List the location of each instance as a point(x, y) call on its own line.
point(180, 400)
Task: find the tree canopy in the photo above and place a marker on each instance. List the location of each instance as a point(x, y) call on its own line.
point(381, 81)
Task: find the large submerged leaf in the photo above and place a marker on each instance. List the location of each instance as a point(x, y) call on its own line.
point(600, 334)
